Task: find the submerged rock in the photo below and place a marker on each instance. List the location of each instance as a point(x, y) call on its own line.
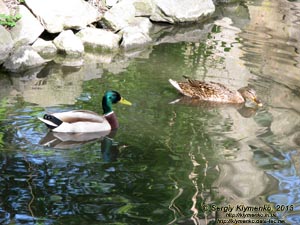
point(71, 62)
point(27, 29)
point(57, 15)
point(98, 39)
point(180, 11)
point(23, 58)
point(6, 44)
point(69, 43)
point(173, 34)
point(45, 48)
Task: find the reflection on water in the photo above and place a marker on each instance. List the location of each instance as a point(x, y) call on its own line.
point(70, 140)
point(109, 147)
point(167, 161)
point(245, 110)
point(288, 194)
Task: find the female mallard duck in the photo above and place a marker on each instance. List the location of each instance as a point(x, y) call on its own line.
point(215, 92)
point(83, 121)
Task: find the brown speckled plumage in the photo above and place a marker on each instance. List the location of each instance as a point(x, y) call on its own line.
point(214, 92)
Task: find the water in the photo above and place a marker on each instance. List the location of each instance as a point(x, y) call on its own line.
point(168, 163)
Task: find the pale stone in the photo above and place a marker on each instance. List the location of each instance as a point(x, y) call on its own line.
point(57, 15)
point(143, 8)
point(22, 59)
point(179, 11)
point(3, 8)
point(69, 61)
point(69, 43)
point(93, 38)
point(119, 16)
point(27, 29)
point(44, 48)
point(137, 33)
point(6, 44)
point(111, 3)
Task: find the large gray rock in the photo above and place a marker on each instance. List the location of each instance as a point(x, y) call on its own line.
point(120, 15)
point(23, 58)
point(123, 13)
point(45, 48)
point(98, 39)
point(68, 43)
point(27, 29)
point(137, 33)
point(179, 11)
point(6, 44)
point(57, 15)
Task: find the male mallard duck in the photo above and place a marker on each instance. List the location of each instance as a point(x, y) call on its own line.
point(83, 121)
point(215, 92)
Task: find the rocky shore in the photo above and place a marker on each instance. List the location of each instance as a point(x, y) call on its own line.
point(70, 28)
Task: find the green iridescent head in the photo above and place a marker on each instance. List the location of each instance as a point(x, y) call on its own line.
point(110, 98)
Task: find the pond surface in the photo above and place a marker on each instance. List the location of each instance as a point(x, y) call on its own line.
point(167, 163)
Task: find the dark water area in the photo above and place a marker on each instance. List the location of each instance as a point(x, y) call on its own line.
point(167, 163)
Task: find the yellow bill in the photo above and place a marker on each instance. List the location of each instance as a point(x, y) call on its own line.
point(258, 102)
point(125, 102)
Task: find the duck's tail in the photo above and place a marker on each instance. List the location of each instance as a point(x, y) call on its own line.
point(175, 85)
point(186, 77)
point(50, 121)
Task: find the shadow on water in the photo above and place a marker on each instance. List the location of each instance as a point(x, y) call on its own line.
point(168, 163)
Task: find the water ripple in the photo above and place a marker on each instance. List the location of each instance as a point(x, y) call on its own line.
point(271, 47)
point(288, 194)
